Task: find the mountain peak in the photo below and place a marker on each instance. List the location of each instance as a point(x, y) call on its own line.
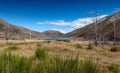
point(53, 33)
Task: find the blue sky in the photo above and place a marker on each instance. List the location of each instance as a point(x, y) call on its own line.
point(62, 15)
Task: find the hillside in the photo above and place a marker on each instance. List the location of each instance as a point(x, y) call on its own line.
point(105, 28)
point(53, 33)
point(17, 32)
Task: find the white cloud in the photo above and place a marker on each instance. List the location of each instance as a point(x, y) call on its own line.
point(64, 30)
point(78, 23)
point(75, 23)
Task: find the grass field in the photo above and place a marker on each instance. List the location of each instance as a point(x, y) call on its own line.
point(57, 57)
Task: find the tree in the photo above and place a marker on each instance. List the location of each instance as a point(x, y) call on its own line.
point(95, 24)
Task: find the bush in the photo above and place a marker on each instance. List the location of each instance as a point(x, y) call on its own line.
point(12, 48)
point(38, 45)
point(114, 49)
point(89, 66)
point(41, 53)
point(14, 64)
point(90, 47)
point(65, 49)
point(73, 66)
point(47, 41)
point(63, 40)
point(78, 46)
point(113, 68)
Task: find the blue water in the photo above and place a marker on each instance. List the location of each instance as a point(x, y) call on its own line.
point(60, 38)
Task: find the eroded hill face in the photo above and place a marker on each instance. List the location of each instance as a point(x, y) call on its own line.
point(105, 28)
point(17, 32)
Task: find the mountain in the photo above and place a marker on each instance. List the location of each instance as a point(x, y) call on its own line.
point(17, 32)
point(53, 33)
point(105, 28)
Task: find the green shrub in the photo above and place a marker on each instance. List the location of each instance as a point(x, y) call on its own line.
point(66, 40)
point(14, 64)
point(12, 48)
point(38, 45)
point(89, 66)
point(41, 53)
point(114, 49)
point(78, 46)
point(63, 40)
point(90, 47)
point(73, 66)
point(65, 49)
point(113, 68)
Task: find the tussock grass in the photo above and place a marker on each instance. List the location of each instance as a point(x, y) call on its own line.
point(90, 47)
point(114, 49)
point(64, 40)
point(12, 48)
point(65, 49)
point(78, 46)
point(38, 45)
point(47, 41)
point(113, 68)
point(18, 64)
point(14, 64)
point(41, 53)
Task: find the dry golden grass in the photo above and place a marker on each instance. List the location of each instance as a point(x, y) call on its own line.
point(64, 49)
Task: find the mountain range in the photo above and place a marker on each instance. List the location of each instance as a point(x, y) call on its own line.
point(104, 29)
point(17, 32)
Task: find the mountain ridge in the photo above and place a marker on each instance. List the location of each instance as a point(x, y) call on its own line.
point(18, 32)
point(105, 29)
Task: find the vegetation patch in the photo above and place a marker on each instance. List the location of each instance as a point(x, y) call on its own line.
point(113, 68)
point(63, 40)
point(12, 48)
point(38, 45)
point(114, 49)
point(47, 41)
point(18, 64)
point(41, 53)
point(78, 46)
point(90, 47)
point(65, 49)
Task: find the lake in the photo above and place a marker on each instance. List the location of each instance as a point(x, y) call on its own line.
point(59, 38)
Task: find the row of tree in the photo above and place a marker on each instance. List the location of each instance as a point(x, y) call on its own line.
point(98, 35)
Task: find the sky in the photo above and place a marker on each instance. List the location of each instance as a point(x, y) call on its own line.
point(61, 15)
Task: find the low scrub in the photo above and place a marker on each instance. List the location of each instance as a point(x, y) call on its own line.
point(14, 64)
point(88, 66)
point(12, 48)
point(18, 64)
point(90, 47)
point(41, 53)
point(63, 40)
point(113, 68)
point(114, 49)
point(65, 49)
point(38, 45)
point(47, 41)
point(78, 46)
